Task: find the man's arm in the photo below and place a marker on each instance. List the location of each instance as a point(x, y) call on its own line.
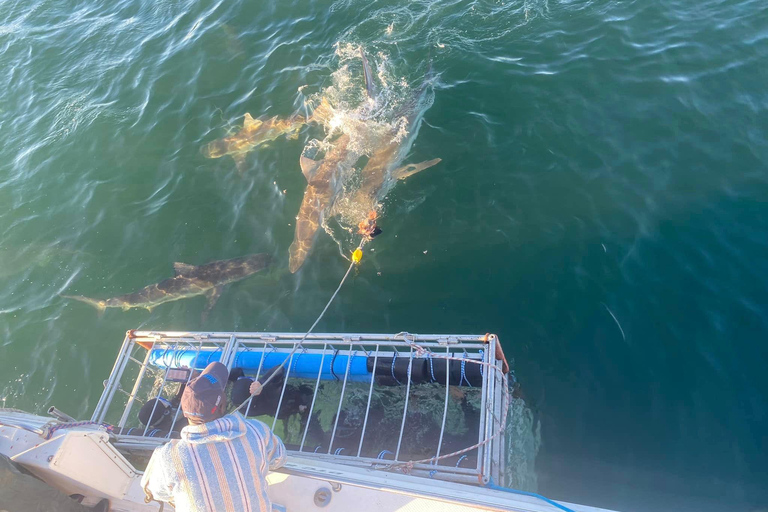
point(275, 450)
point(155, 478)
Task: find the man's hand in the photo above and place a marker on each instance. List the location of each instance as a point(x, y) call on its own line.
point(255, 388)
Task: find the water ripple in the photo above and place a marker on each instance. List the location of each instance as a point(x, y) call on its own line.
point(597, 155)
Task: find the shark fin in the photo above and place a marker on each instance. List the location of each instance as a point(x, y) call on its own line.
point(183, 268)
point(212, 295)
point(101, 305)
point(249, 123)
point(322, 113)
point(409, 170)
point(296, 124)
point(368, 75)
point(308, 167)
point(239, 159)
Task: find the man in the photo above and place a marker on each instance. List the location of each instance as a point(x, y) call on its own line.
point(221, 461)
point(268, 397)
point(160, 414)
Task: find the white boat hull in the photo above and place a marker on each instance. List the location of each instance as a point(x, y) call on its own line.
point(82, 460)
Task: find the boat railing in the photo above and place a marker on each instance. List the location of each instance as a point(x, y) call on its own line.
point(442, 374)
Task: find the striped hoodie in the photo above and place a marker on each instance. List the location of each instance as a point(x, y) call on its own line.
point(216, 467)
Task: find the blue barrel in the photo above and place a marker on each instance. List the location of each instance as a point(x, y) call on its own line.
point(304, 365)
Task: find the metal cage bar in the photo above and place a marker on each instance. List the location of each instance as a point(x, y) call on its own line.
point(134, 391)
point(368, 406)
point(159, 393)
point(341, 398)
point(114, 380)
point(314, 398)
point(445, 406)
point(405, 405)
point(282, 392)
point(170, 350)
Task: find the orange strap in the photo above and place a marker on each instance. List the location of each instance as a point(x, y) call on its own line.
point(499, 352)
point(144, 344)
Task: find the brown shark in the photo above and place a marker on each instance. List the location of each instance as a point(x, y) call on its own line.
point(322, 177)
point(384, 169)
point(378, 176)
point(256, 132)
point(189, 281)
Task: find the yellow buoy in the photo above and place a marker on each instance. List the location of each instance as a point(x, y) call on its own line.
point(357, 256)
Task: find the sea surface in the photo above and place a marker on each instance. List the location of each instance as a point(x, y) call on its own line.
point(601, 205)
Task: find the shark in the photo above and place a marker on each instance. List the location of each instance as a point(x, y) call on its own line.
point(257, 132)
point(188, 281)
point(384, 167)
point(322, 181)
point(378, 176)
point(253, 133)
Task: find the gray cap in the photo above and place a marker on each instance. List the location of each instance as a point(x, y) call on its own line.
point(204, 394)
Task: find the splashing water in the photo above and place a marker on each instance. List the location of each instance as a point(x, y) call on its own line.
point(373, 124)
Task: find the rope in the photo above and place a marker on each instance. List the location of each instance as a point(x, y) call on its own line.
point(407, 466)
point(463, 373)
point(50, 431)
point(333, 361)
point(432, 368)
point(295, 348)
point(392, 369)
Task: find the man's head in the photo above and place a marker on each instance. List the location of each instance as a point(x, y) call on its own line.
point(241, 390)
point(156, 413)
point(204, 399)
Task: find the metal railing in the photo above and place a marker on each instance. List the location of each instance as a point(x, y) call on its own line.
point(378, 418)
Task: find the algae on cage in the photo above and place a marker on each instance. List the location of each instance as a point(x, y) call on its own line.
point(428, 400)
point(289, 430)
point(354, 404)
point(426, 404)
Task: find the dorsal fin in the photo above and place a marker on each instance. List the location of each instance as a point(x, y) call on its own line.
point(183, 268)
point(409, 170)
point(322, 112)
point(249, 123)
point(367, 73)
point(308, 167)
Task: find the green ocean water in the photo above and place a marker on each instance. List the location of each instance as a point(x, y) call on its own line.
point(601, 205)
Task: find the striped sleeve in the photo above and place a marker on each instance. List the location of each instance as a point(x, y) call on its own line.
point(275, 450)
point(156, 479)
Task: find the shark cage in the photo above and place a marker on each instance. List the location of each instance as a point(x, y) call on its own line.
point(430, 405)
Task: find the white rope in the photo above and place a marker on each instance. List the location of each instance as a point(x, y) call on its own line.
point(261, 385)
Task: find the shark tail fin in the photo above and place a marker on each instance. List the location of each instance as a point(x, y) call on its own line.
point(409, 170)
point(322, 114)
point(101, 305)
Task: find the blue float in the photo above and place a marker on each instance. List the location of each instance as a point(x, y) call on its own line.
point(304, 365)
